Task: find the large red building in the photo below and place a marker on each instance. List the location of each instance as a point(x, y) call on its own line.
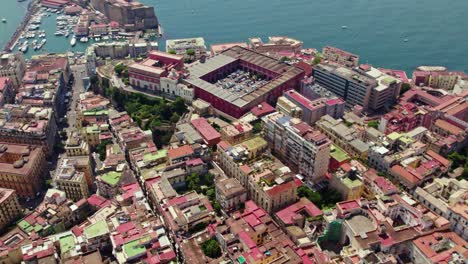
point(239, 79)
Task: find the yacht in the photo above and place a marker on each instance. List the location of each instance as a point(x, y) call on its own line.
point(73, 41)
point(344, 27)
point(67, 34)
point(4, 20)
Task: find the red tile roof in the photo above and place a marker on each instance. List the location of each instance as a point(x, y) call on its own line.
point(179, 152)
point(206, 130)
point(278, 189)
point(287, 214)
point(262, 109)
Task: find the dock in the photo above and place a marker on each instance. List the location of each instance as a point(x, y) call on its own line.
point(33, 7)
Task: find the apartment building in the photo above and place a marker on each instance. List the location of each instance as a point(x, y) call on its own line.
point(13, 66)
point(181, 46)
point(22, 168)
point(75, 145)
point(230, 194)
point(10, 209)
point(236, 132)
point(301, 147)
point(347, 138)
point(71, 180)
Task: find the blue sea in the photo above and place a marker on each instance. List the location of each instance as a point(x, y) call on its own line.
point(437, 30)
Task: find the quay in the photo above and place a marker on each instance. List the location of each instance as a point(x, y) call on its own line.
point(33, 7)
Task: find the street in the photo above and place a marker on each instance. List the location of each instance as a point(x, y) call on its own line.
point(79, 71)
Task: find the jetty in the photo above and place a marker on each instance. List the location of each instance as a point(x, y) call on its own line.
point(33, 7)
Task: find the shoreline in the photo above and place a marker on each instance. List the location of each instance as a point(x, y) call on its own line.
point(13, 41)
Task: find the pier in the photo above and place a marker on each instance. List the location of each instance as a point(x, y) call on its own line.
point(33, 7)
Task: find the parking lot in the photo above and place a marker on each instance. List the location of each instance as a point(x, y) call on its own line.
point(241, 81)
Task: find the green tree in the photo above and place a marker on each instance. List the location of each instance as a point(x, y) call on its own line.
point(257, 127)
point(284, 59)
point(179, 106)
point(173, 52)
point(317, 59)
point(175, 117)
point(315, 197)
point(101, 149)
point(119, 68)
point(373, 123)
point(190, 52)
point(211, 248)
point(193, 182)
point(404, 88)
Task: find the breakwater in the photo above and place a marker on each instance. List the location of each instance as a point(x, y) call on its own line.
point(33, 7)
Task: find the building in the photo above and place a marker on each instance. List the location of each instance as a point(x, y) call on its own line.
point(236, 132)
point(10, 209)
point(6, 91)
point(436, 77)
point(230, 194)
point(277, 46)
point(187, 47)
point(347, 138)
point(24, 124)
point(340, 56)
point(148, 73)
point(313, 110)
point(209, 134)
point(22, 168)
point(185, 212)
point(71, 180)
point(252, 236)
point(301, 147)
point(75, 145)
point(239, 79)
point(132, 15)
point(13, 66)
point(218, 48)
point(288, 107)
point(446, 197)
point(98, 29)
point(348, 183)
point(439, 247)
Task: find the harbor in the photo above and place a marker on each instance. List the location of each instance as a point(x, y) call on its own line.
point(50, 30)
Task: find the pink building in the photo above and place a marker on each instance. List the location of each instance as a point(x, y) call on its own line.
point(98, 29)
point(147, 74)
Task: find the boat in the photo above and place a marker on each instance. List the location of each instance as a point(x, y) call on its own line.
point(73, 41)
point(344, 27)
point(4, 20)
point(67, 34)
point(97, 39)
point(406, 40)
point(24, 48)
point(58, 33)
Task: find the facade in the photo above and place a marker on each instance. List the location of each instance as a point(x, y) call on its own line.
point(348, 184)
point(226, 80)
point(230, 194)
point(13, 66)
point(298, 145)
point(340, 56)
point(436, 77)
point(71, 180)
point(6, 91)
point(22, 168)
point(75, 145)
point(10, 209)
point(181, 46)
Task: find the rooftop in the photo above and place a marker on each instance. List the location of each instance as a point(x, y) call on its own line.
point(112, 177)
point(97, 229)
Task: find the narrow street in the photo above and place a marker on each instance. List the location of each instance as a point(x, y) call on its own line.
point(79, 72)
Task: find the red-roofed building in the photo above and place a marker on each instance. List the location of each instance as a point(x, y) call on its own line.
point(209, 134)
point(439, 247)
point(6, 91)
point(262, 109)
point(180, 154)
point(295, 214)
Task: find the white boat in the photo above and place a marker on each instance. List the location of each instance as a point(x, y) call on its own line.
point(97, 39)
point(4, 20)
point(67, 34)
point(24, 48)
point(344, 27)
point(58, 33)
point(73, 41)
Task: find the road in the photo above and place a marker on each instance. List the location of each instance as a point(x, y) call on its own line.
point(79, 71)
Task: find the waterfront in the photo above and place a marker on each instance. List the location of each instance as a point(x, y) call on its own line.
point(375, 29)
